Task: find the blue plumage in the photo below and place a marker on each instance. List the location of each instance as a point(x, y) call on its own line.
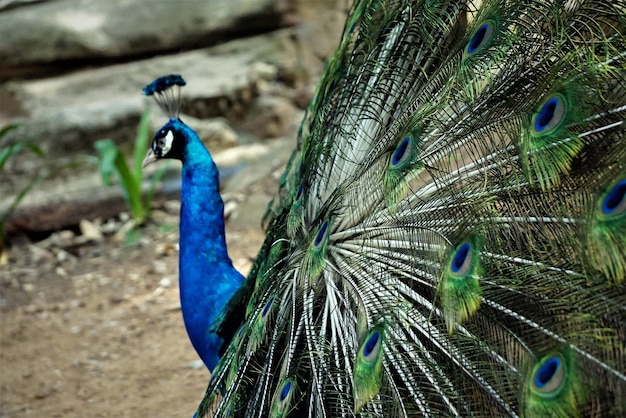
point(206, 274)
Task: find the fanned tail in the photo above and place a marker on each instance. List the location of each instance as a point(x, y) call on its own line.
point(452, 240)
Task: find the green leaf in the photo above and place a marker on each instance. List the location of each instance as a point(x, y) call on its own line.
point(107, 153)
point(6, 129)
point(112, 161)
point(35, 150)
point(9, 151)
point(15, 203)
point(132, 188)
point(5, 154)
point(13, 149)
point(132, 237)
point(21, 196)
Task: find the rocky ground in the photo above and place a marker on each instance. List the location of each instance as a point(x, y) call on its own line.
point(90, 323)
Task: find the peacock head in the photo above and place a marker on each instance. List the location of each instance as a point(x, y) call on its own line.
point(169, 141)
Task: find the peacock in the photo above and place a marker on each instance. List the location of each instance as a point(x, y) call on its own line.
point(207, 278)
point(449, 235)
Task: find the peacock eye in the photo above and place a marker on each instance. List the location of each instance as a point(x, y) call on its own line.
point(402, 152)
point(550, 115)
point(613, 202)
point(549, 375)
point(481, 38)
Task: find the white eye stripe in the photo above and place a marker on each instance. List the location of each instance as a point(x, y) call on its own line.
point(169, 138)
point(164, 144)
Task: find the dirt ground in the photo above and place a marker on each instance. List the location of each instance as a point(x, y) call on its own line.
point(91, 327)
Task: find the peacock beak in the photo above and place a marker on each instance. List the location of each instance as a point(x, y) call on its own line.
point(149, 159)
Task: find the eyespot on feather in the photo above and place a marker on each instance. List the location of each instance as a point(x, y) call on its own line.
point(461, 261)
point(320, 238)
point(550, 115)
point(613, 202)
point(481, 38)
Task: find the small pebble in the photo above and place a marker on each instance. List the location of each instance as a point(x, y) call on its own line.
point(43, 392)
point(66, 234)
point(116, 299)
point(230, 209)
point(196, 364)
point(109, 226)
point(166, 248)
point(90, 231)
point(31, 309)
point(159, 266)
point(172, 206)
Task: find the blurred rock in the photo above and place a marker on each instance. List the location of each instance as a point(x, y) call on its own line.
point(90, 231)
point(216, 133)
point(106, 102)
point(230, 209)
point(116, 299)
point(247, 79)
point(159, 267)
point(68, 32)
point(121, 234)
point(270, 117)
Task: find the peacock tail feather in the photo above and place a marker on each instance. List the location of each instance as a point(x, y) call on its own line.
point(450, 236)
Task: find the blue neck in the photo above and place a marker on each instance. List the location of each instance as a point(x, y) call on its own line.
point(207, 278)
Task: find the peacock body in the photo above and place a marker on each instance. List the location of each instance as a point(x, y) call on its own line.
point(449, 237)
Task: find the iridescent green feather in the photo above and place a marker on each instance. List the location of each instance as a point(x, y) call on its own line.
point(550, 138)
point(295, 219)
point(404, 166)
point(459, 288)
point(368, 368)
point(263, 273)
point(606, 232)
point(314, 259)
point(554, 386)
point(258, 328)
point(282, 402)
